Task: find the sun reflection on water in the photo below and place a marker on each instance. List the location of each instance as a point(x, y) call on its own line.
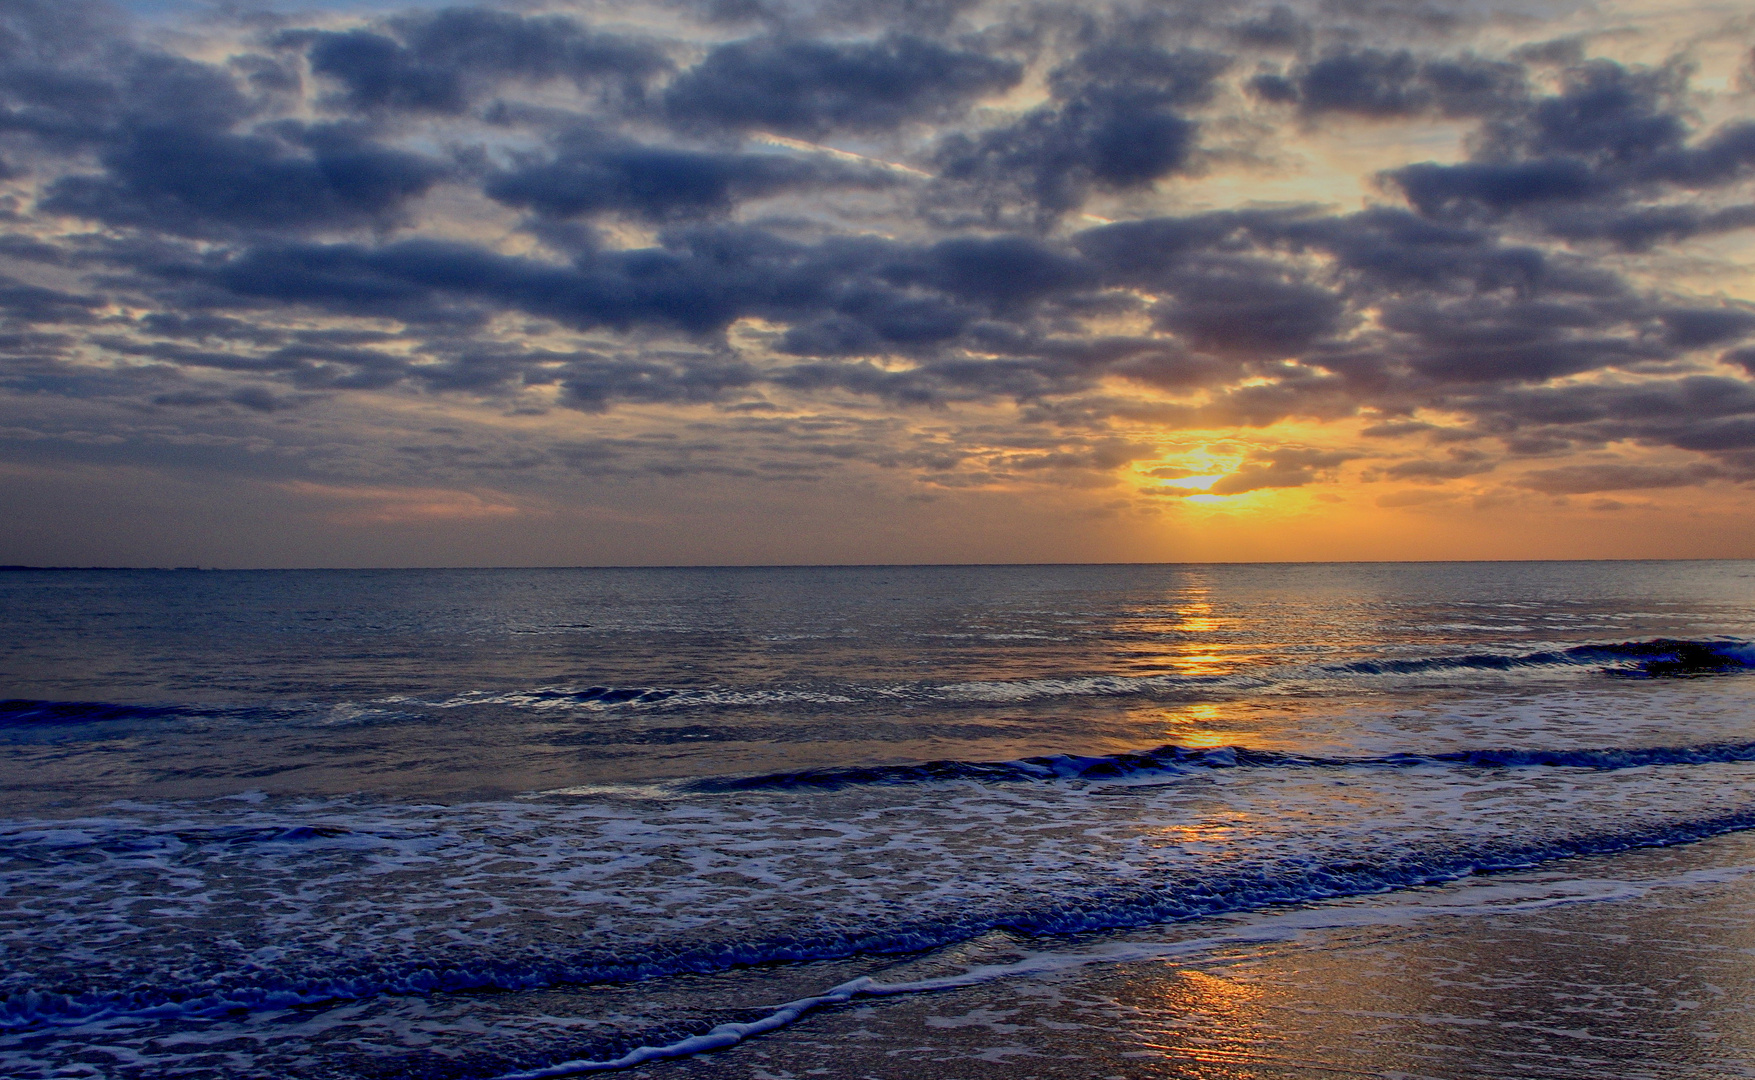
point(1187, 637)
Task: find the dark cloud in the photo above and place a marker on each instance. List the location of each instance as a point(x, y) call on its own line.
point(1587, 162)
point(1117, 121)
point(284, 176)
point(205, 326)
point(1454, 309)
point(100, 99)
point(1001, 272)
point(593, 383)
point(702, 283)
point(1693, 328)
point(1249, 307)
point(1389, 253)
point(1709, 414)
point(592, 173)
point(1276, 28)
point(182, 145)
point(835, 16)
point(811, 87)
point(379, 72)
point(311, 367)
point(255, 398)
point(1379, 84)
point(27, 304)
point(440, 61)
point(861, 297)
point(1640, 228)
point(37, 32)
point(30, 249)
point(1524, 340)
point(1436, 190)
point(1605, 113)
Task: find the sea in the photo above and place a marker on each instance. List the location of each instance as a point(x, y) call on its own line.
point(1300, 820)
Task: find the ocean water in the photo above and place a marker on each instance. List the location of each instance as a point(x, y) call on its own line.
point(498, 823)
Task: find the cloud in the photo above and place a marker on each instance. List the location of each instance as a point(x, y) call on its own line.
point(1455, 311)
point(257, 398)
point(1710, 414)
point(591, 173)
point(1286, 467)
point(1693, 328)
point(812, 87)
point(362, 504)
point(1398, 84)
point(1276, 28)
point(1466, 463)
point(288, 175)
point(248, 240)
point(1253, 307)
point(823, 17)
point(592, 383)
point(1117, 121)
point(1416, 497)
point(184, 146)
point(441, 61)
point(33, 304)
point(1585, 479)
point(1585, 163)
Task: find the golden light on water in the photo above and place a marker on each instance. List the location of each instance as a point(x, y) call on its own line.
point(1197, 726)
point(1204, 661)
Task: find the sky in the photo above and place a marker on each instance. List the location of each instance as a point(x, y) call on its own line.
point(875, 281)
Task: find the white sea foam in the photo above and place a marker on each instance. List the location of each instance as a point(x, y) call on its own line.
point(1534, 663)
point(603, 699)
point(120, 915)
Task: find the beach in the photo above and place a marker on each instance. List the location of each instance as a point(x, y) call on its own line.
point(1629, 966)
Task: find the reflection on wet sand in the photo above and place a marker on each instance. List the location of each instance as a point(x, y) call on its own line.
point(1659, 983)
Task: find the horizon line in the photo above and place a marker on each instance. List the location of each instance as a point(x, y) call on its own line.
point(24, 567)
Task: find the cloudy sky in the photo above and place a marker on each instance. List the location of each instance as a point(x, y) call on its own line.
point(752, 281)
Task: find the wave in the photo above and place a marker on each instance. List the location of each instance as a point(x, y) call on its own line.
point(1163, 759)
point(1658, 658)
point(23, 711)
point(1171, 759)
point(1122, 904)
point(27, 713)
point(599, 698)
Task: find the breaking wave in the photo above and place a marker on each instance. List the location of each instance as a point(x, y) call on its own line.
point(1172, 759)
point(1120, 904)
point(1658, 658)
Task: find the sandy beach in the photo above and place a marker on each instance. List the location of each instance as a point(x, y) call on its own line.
point(1519, 979)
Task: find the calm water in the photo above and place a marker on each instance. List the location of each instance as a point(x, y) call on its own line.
point(482, 823)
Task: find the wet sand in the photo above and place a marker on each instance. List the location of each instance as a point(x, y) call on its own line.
point(1515, 978)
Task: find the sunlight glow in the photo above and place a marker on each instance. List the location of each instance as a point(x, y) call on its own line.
point(1195, 482)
